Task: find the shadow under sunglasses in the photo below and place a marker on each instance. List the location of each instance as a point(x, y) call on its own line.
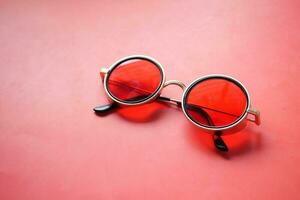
point(218, 141)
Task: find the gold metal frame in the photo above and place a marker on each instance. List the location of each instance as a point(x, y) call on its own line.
point(105, 72)
point(152, 97)
point(230, 126)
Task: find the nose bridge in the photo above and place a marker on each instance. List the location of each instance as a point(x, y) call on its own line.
point(178, 83)
point(175, 82)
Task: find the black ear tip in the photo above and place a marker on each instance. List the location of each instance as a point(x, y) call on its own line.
point(221, 148)
point(220, 144)
point(104, 108)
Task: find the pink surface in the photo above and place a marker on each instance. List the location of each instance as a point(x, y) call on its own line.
point(52, 145)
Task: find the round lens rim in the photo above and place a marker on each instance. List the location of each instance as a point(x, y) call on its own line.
point(142, 101)
point(215, 76)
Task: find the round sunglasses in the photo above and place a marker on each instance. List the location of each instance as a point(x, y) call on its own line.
point(216, 103)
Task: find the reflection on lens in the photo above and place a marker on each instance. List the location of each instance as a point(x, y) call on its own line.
point(134, 80)
point(215, 102)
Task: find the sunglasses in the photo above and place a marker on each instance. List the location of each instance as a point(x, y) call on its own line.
point(216, 103)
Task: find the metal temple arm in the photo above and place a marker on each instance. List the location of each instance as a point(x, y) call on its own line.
point(218, 141)
point(256, 115)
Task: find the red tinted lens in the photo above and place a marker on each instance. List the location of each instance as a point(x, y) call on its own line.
point(216, 102)
point(134, 80)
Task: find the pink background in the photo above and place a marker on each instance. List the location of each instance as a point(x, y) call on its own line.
point(52, 145)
